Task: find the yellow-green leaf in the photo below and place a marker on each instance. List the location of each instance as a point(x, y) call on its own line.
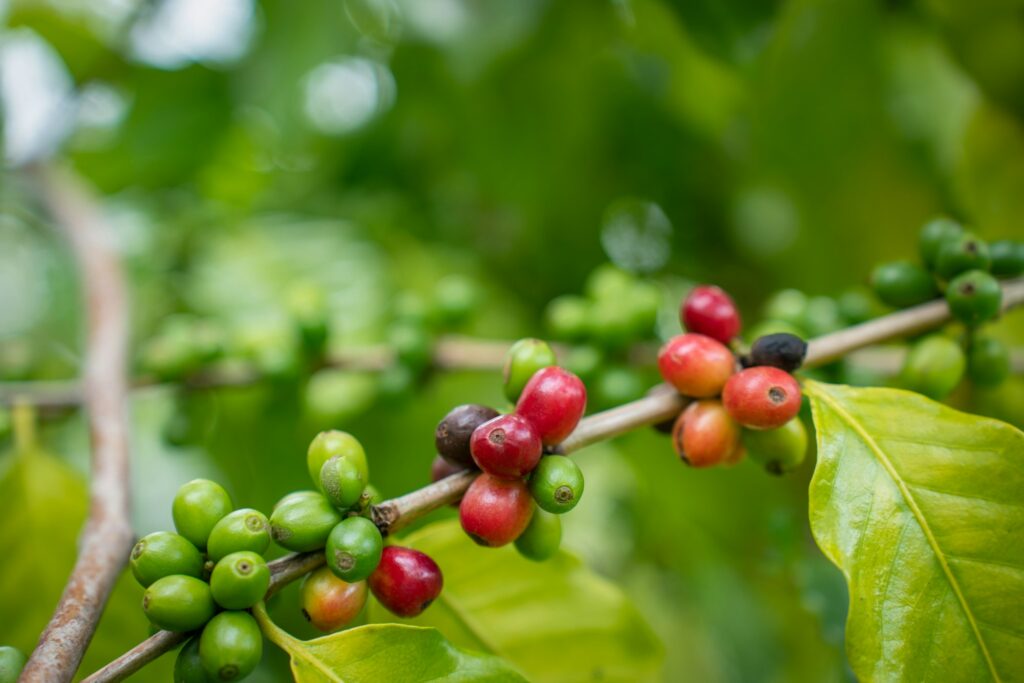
point(555, 620)
point(384, 652)
point(922, 508)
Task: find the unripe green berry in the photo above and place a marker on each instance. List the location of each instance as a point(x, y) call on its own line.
point(303, 523)
point(231, 646)
point(342, 482)
point(857, 306)
point(197, 508)
point(788, 306)
point(164, 553)
point(178, 603)
point(412, 344)
point(988, 362)
point(542, 536)
point(244, 529)
point(523, 360)
point(568, 317)
point(354, 549)
point(611, 322)
point(240, 580)
point(934, 234)
point(333, 443)
point(1007, 258)
point(607, 282)
point(933, 367)
point(188, 667)
point(967, 252)
point(307, 304)
point(12, 661)
point(556, 484)
point(901, 284)
point(974, 297)
point(455, 298)
point(778, 450)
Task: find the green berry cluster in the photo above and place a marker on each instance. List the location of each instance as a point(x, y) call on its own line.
point(964, 269)
point(203, 578)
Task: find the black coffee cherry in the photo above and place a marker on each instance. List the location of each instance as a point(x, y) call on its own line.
point(456, 429)
point(781, 350)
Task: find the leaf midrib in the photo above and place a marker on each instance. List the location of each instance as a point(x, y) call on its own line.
point(922, 522)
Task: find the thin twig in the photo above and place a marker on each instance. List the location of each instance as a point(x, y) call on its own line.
point(107, 536)
point(661, 404)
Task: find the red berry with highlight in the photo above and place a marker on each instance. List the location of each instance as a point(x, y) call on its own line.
point(696, 365)
point(495, 511)
point(705, 434)
point(553, 401)
point(406, 581)
point(762, 397)
point(708, 310)
point(507, 446)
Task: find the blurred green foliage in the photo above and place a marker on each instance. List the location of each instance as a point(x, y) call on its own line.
point(373, 147)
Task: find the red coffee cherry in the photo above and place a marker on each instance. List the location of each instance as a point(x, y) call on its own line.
point(495, 511)
point(696, 365)
point(507, 446)
point(705, 434)
point(762, 397)
point(330, 603)
point(553, 401)
point(710, 311)
point(406, 581)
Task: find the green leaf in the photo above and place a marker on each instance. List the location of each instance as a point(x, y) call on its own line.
point(921, 508)
point(383, 652)
point(555, 620)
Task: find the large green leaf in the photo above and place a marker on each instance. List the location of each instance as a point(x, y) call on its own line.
point(922, 509)
point(384, 652)
point(555, 620)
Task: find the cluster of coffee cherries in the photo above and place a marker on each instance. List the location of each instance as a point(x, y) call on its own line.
point(521, 492)
point(334, 518)
point(965, 269)
point(203, 578)
point(741, 405)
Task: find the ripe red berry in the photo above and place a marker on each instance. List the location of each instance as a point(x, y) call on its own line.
point(696, 365)
point(329, 602)
point(553, 401)
point(762, 397)
point(705, 434)
point(507, 446)
point(406, 581)
point(708, 310)
point(495, 511)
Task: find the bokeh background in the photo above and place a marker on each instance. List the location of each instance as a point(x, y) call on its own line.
point(372, 148)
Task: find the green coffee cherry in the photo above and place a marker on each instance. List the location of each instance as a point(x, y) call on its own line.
point(231, 646)
point(974, 297)
point(354, 549)
point(412, 344)
point(303, 523)
point(584, 361)
point(901, 284)
point(856, 306)
point(934, 234)
point(240, 580)
point(307, 304)
point(12, 661)
point(645, 300)
point(967, 252)
point(333, 443)
point(244, 529)
point(618, 384)
point(777, 450)
point(524, 358)
point(197, 508)
point(568, 317)
point(371, 496)
point(296, 496)
point(178, 603)
point(988, 362)
point(188, 667)
point(556, 484)
point(164, 553)
point(611, 322)
point(1007, 258)
point(542, 536)
point(455, 298)
point(342, 482)
point(764, 328)
point(607, 282)
point(822, 316)
point(788, 306)
point(933, 367)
